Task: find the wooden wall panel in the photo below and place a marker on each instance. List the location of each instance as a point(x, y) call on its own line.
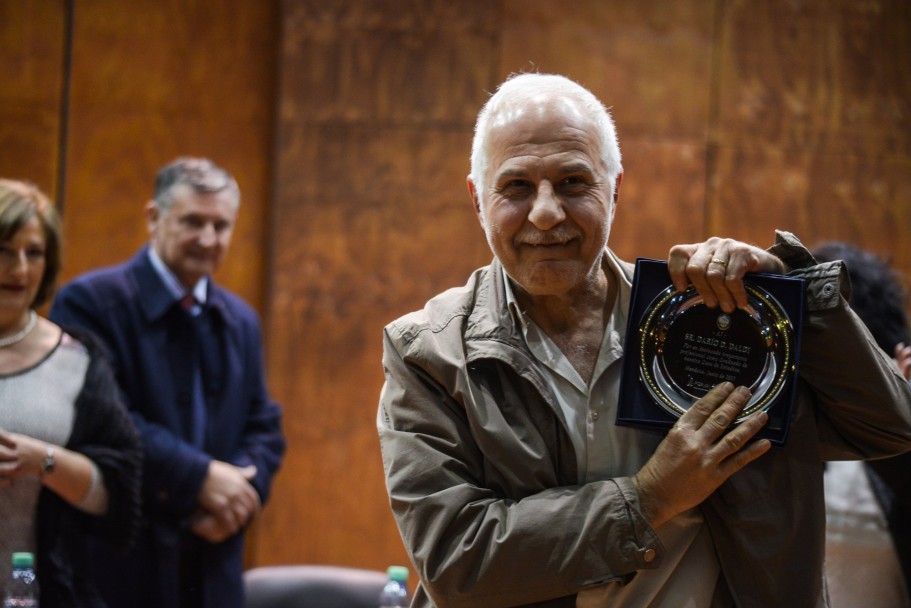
point(822, 76)
point(650, 63)
point(732, 119)
point(372, 217)
point(32, 47)
point(153, 80)
point(813, 129)
point(864, 200)
point(662, 198)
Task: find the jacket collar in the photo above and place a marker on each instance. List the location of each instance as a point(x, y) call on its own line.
point(490, 319)
point(155, 299)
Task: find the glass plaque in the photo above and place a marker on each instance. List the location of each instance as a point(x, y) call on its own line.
point(687, 348)
point(677, 349)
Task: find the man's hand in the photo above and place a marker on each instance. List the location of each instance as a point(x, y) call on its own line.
point(208, 527)
point(228, 497)
point(699, 453)
point(903, 359)
point(716, 268)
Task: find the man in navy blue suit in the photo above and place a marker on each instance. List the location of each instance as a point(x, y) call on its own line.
point(188, 357)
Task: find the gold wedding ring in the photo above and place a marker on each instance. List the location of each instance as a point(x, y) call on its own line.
point(717, 261)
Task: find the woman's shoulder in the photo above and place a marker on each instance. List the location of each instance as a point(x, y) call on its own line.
point(77, 337)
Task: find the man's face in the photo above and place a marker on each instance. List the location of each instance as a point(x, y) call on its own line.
point(549, 206)
point(193, 235)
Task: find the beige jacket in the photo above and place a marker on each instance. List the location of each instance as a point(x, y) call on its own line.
point(481, 471)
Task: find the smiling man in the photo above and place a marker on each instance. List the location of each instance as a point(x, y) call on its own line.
point(509, 480)
point(188, 358)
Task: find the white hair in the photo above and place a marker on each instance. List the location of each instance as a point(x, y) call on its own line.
point(521, 87)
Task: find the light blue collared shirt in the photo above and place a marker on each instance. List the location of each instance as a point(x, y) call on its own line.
point(173, 284)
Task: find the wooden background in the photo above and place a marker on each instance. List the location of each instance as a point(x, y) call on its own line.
point(348, 125)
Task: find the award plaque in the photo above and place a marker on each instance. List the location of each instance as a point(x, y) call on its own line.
point(677, 349)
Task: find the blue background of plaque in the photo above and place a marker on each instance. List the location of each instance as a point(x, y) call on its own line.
point(636, 406)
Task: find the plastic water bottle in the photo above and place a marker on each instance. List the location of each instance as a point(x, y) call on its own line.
point(22, 586)
point(395, 593)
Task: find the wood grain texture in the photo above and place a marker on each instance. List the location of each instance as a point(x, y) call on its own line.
point(197, 78)
point(372, 217)
point(735, 117)
point(727, 124)
point(650, 63)
point(32, 64)
point(813, 125)
point(827, 76)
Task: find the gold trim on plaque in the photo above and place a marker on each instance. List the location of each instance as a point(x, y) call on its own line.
point(768, 321)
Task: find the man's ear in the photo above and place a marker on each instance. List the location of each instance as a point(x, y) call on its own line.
point(152, 214)
point(474, 198)
point(617, 187)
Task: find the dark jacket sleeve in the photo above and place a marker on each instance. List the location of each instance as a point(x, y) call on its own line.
point(834, 341)
point(174, 468)
point(104, 432)
point(476, 545)
point(151, 353)
point(263, 443)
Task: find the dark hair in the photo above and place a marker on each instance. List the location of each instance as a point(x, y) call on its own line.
point(20, 202)
point(878, 293)
point(200, 174)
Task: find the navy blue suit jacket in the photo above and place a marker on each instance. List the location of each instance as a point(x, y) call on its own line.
point(153, 346)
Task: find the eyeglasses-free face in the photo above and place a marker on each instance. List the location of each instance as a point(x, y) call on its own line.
point(22, 265)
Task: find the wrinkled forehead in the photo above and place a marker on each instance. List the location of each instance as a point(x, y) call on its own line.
point(524, 105)
point(194, 196)
point(542, 120)
point(189, 202)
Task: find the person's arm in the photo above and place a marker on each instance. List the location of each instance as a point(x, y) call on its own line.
point(863, 406)
point(903, 359)
point(174, 469)
point(233, 493)
point(72, 477)
point(227, 502)
point(863, 403)
point(104, 432)
point(476, 546)
point(699, 453)
point(263, 442)
point(471, 545)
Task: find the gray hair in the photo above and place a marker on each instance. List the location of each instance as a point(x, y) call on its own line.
point(200, 174)
point(523, 86)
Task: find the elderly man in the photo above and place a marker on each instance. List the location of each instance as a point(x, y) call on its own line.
point(188, 358)
point(510, 481)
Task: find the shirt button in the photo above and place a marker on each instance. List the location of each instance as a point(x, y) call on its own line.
point(595, 415)
point(648, 556)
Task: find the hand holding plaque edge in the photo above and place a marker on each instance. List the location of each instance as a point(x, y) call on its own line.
point(719, 284)
point(655, 345)
point(699, 453)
